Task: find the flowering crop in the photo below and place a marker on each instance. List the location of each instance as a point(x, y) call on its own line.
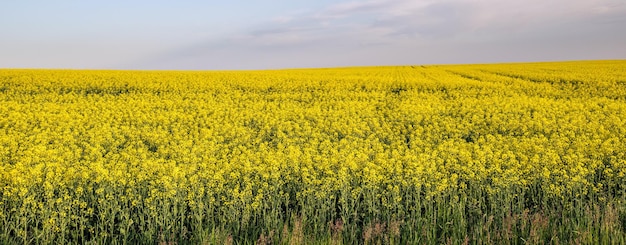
point(413, 154)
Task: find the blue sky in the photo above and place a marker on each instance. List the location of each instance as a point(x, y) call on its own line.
point(209, 35)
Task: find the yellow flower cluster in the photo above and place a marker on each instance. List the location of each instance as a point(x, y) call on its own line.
point(112, 154)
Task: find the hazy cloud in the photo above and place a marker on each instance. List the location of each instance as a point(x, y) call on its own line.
point(408, 31)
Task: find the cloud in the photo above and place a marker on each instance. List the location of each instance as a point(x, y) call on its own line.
point(407, 31)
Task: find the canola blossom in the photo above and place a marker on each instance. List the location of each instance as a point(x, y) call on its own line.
point(406, 154)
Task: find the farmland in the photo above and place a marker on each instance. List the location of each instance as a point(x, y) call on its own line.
point(506, 153)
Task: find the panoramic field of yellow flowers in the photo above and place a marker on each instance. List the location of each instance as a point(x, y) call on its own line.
point(509, 153)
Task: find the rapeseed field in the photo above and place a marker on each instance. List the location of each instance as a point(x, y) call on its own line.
point(529, 153)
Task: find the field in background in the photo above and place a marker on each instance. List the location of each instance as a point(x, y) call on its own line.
point(510, 153)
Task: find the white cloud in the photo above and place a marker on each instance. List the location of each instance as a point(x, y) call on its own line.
point(423, 31)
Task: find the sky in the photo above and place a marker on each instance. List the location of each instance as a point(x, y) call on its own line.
point(274, 34)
